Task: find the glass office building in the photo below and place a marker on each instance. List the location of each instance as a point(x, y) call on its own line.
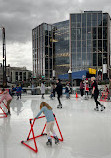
point(61, 55)
point(90, 40)
point(79, 43)
point(42, 48)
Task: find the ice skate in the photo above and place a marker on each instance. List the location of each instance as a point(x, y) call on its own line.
point(56, 139)
point(9, 113)
point(102, 108)
point(96, 109)
point(59, 106)
point(49, 142)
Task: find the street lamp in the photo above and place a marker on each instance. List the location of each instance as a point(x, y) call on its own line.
point(70, 76)
point(4, 57)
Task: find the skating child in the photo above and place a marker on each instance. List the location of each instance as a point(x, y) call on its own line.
point(47, 110)
point(19, 91)
point(6, 96)
point(86, 89)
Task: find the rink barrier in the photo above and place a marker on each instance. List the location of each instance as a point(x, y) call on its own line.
point(42, 134)
point(104, 96)
point(3, 114)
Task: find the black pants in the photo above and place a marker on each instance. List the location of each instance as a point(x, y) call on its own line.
point(97, 102)
point(58, 97)
point(82, 92)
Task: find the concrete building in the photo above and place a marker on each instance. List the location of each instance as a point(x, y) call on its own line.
point(15, 74)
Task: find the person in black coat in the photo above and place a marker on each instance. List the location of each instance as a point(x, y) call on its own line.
point(95, 92)
point(58, 89)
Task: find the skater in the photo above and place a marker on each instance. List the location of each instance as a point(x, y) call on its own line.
point(12, 91)
point(95, 91)
point(47, 110)
point(43, 89)
point(53, 89)
point(6, 96)
point(19, 91)
point(82, 89)
point(59, 92)
point(51, 95)
point(67, 91)
point(109, 88)
point(86, 89)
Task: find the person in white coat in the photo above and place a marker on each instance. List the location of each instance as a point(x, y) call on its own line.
point(42, 89)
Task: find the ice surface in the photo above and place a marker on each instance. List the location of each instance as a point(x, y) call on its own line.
point(86, 133)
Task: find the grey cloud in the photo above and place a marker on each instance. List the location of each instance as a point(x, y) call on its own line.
point(19, 17)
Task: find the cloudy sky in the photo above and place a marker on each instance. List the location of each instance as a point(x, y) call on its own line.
point(19, 17)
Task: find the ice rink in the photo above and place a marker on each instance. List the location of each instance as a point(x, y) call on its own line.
point(86, 133)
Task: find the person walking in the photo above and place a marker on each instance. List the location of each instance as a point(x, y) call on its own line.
point(95, 91)
point(43, 89)
point(59, 92)
point(47, 110)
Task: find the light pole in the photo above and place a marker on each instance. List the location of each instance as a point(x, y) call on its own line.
point(70, 76)
point(4, 57)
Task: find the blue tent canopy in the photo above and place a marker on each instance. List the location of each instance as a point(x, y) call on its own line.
point(75, 75)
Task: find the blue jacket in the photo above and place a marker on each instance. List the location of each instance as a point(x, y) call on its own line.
point(48, 114)
point(18, 89)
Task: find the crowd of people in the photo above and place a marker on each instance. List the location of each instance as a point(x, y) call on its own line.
point(85, 87)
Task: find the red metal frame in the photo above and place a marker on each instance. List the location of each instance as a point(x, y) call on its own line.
point(3, 115)
point(104, 96)
point(34, 137)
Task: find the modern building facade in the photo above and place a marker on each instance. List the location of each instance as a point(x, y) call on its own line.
point(61, 52)
point(79, 43)
point(90, 40)
point(43, 50)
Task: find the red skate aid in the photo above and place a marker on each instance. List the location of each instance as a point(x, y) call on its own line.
point(104, 96)
point(3, 113)
point(42, 134)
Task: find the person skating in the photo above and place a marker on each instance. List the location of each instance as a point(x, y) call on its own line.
point(43, 89)
point(18, 91)
point(95, 91)
point(59, 92)
point(47, 110)
point(6, 96)
point(82, 89)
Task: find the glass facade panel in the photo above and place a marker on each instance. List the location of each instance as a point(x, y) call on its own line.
point(99, 19)
point(94, 19)
point(100, 33)
point(94, 33)
point(104, 32)
point(99, 59)
point(73, 34)
point(105, 19)
point(83, 33)
point(83, 20)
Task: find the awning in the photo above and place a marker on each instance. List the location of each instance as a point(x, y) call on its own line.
point(75, 75)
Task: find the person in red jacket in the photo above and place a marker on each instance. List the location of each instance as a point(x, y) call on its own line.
point(6, 96)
